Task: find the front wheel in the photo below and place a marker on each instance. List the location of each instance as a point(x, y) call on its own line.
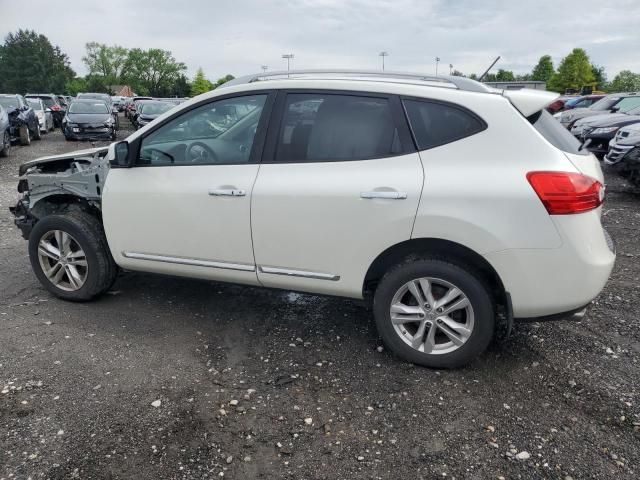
point(25, 135)
point(434, 313)
point(70, 256)
point(5, 146)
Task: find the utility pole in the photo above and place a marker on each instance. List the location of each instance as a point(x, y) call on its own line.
point(437, 61)
point(383, 54)
point(289, 57)
point(264, 68)
point(450, 69)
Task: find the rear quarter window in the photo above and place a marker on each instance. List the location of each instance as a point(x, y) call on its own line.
point(436, 123)
point(555, 133)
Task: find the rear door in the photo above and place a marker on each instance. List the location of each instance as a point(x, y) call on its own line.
point(339, 183)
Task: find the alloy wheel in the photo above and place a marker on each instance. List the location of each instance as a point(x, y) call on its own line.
point(432, 315)
point(63, 261)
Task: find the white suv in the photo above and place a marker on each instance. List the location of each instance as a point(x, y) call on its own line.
point(454, 206)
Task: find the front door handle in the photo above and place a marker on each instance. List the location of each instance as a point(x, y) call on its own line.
point(227, 192)
point(384, 194)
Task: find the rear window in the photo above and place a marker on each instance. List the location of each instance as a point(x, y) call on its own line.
point(555, 133)
point(435, 124)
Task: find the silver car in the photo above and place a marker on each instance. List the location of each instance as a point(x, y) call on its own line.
point(5, 134)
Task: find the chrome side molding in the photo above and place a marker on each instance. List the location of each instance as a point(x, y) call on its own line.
point(190, 261)
point(231, 266)
point(299, 273)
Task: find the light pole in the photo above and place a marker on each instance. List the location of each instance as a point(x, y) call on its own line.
point(450, 69)
point(289, 57)
point(437, 61)
point(383, 54)
point(264, 68)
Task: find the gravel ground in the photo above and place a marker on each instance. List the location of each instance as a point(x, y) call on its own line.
point(167, 378)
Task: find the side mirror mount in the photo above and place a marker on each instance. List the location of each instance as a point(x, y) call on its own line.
point(121, 155)
point(615, 109)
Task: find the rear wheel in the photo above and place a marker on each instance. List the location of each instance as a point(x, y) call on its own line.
point(25, 135)
point(5, 147)
point(70, 256)
point(434, 313)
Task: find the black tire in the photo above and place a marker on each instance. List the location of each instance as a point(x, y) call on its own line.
point(36, 132)
point(467, 280)
point(87, 230)
point(5, 146)
point(25, 135)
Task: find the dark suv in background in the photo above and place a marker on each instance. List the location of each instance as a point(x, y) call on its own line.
point(51, 102)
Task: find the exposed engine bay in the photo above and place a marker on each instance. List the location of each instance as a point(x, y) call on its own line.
point(50, 183)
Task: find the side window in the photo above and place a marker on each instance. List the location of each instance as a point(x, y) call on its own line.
point(435, 124)
point(328, 127)
point(219, 132)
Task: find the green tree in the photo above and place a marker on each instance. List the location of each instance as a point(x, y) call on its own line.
point(543, 71)
point(505, 76)
point(574, 72)
point(30, 63)
point(625, 81)
point(152, 71)
point(181, 87)
point(76, 86)
point(200, 84)
point(222, 80)
point(106, 61)
point(599, 75)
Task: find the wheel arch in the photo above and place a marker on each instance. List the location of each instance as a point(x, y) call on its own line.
point(452, 251)
point(59, 203)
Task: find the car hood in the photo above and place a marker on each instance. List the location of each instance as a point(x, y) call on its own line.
point(89, 154)
point(615, 121)
point(599, 120)
point(578, 113)
point(88, 117)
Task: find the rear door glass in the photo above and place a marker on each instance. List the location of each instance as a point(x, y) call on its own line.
point(555, 133)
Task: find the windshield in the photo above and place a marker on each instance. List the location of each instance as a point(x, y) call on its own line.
point(555, 133)
point(88, 107)
point(99, 96)
point(9, 102)
point(628, 103)
point(572, 102)
point(35, 104)
point(154, 108)
point(604, 103)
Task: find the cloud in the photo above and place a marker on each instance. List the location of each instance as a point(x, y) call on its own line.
point(239, 36)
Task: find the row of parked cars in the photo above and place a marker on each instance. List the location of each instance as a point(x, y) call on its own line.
point(88, 116)
point(609, 128)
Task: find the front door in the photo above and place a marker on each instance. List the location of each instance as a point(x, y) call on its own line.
point(184, 207)
point(339, 183)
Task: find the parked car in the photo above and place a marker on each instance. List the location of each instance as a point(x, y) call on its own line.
point(616, 102)
point(23, 121)
point(5, 133)
point(45, 117)
point(344, 184)
point(624, 153)
point(584, 101)
point(596, 132)
point(105, 98)
point(131, 111)
point(150, 110)
point(52, 102)
point(89, 119)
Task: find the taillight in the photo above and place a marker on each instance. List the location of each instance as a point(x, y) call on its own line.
point(564, 193)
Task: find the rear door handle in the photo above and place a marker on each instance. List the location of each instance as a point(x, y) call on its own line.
point(383, 194)
point(227, 192)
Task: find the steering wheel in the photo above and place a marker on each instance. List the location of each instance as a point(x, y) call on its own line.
point(199, 152)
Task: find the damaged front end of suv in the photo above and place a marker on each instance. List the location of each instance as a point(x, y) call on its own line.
point(51, 184)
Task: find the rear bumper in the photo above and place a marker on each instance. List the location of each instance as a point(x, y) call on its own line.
point(551, 282)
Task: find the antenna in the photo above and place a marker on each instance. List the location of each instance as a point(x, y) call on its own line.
point(490, 67)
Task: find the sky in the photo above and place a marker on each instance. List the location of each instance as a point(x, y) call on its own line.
point(239, 36)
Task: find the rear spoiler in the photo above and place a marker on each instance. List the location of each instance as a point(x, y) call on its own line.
point(529, 101)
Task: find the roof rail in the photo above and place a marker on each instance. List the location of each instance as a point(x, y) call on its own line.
point(449, 81)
